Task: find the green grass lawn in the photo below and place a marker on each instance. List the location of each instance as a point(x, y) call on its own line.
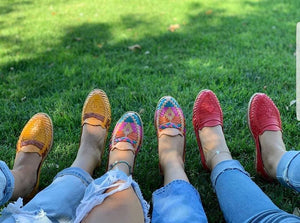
point(53, 53)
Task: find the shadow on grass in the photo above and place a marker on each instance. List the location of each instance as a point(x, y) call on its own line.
point(13, 5)
point(234, 56)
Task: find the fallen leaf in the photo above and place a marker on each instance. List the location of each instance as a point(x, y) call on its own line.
point(135, 47)
point(77, 38)
point(100, 45)
point(141, 111)
point(265, 87)
point(172, 28)
point(209, 12)
point(292, 102)
point(23, 99)
point(296, 211)
point(53, 13)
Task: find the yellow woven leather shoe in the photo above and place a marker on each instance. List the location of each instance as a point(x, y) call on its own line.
point(96, 110)
point(36, 137)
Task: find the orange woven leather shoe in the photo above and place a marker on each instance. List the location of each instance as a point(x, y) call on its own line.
point(263, 115)
point(207, 112)
point(96, 110)
point(36, 137)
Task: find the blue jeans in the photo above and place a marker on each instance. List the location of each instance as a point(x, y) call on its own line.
point(7, 183)
point(177, 202)
point(288, 170)
point(71, 188)
point(241, 200)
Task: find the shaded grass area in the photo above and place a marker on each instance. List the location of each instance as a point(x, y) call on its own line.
point(53, 53)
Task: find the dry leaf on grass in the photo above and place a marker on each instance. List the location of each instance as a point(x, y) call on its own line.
point(172, 28)
point(209, 12)
point(135, 47)
point(100, 45)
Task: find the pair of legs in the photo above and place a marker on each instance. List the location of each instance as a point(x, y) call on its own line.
point(123, 206)
point(240, 198)
point(59, 200)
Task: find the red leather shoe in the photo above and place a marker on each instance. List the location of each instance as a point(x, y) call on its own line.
point(263, 115)
point(207, 112)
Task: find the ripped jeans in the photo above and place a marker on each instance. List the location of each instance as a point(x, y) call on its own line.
point(71, 196)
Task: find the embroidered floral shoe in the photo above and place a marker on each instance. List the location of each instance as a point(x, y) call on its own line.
point(128, 129)
point(169, 119)
point(263, 115)
point(207, 112)
point(96, 110)
point(36, 137)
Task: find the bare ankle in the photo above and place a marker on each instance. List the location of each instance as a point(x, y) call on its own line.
point(171, 149)
point(91, 148)
point(25, 180)
point(272, 149)
point(214, 146)
point(122, 157)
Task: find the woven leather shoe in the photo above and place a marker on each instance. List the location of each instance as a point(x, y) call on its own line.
point(36, 137)
point(207, 112)
point(96, 110)
point(128, 129)
point(263, 115)
point(169, 120)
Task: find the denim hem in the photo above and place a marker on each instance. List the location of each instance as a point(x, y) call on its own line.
point(273, 215)
point(10, 183)
point(225, 166)
point(283, 167)
point(15, 212)
point(177, 202)
point(164, 188)
point(84, 176)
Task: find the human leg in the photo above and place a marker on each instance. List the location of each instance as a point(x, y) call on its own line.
point(240, 199)
point(272, 159)
point(34, 144)
point(58, 202)
point(177, 201)
point(115, 197)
